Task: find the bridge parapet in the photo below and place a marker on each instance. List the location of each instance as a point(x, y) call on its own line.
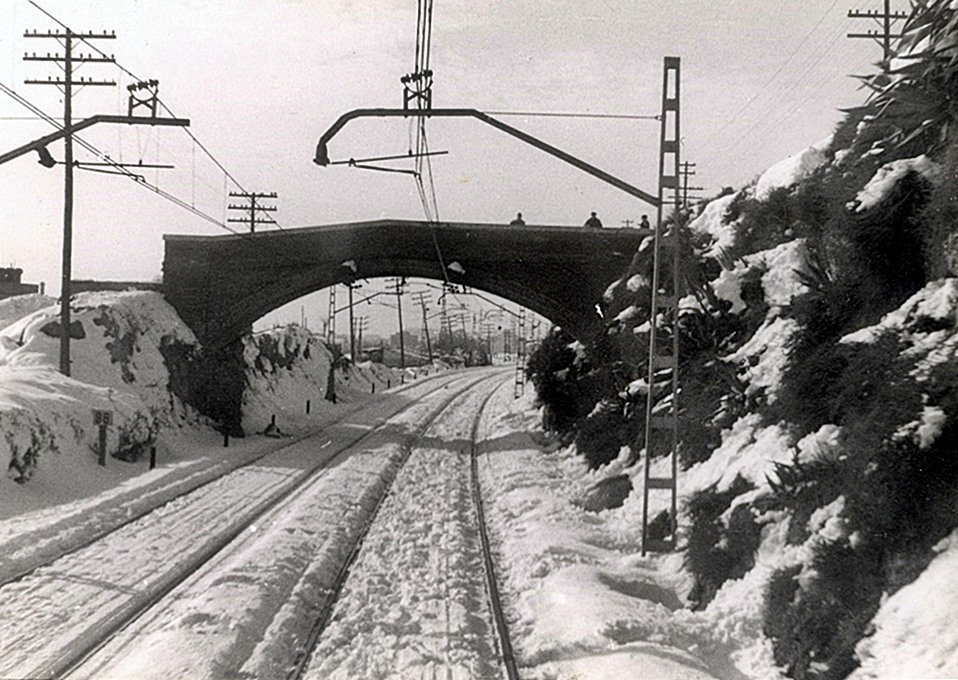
point(221, 284)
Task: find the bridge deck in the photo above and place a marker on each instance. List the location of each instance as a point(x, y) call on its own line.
point(221, 284)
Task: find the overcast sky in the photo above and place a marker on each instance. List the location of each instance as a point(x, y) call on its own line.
point(262, 79)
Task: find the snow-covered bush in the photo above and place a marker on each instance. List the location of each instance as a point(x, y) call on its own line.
point(719, 547)
point(27, 438)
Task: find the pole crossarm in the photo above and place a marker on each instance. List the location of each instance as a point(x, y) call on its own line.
point(322, 150)
point(83, 124)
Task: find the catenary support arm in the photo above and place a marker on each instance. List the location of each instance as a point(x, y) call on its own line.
point(93, 120)
point(322, 151)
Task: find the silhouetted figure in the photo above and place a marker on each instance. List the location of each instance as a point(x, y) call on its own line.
point(644, 222)
point(518, 222)
point(593, 222)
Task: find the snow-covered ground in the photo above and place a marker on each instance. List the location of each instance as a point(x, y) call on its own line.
point(581, 600)
point(224, 621)
point(414, 605)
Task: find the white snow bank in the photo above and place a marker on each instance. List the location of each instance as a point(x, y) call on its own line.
point(123, 331)
point(45, 414)
point(916, 632)
point(793, 169)
point(887, 176)
point(926, 323)
point(711, 221)
point(764, 356)
point(780, 267)
point(16, 307)
point(286, 367)
point(580, 599)
point(748, 449)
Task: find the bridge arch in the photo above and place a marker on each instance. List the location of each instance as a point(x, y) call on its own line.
point(221, 284)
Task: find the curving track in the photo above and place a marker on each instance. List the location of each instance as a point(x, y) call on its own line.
point(58, 615)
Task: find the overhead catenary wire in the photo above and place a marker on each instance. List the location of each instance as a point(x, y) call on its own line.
point(105, 158)
point(567, 114)
point(161, 103)
point(781, 67)
point(774, 122)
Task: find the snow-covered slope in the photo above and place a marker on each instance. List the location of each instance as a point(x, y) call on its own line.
point(289, 366)
point(127, 351)
point(116, 365)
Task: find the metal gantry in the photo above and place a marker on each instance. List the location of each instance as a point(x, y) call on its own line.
point(520, 354)
point(662, 405)
point(331, 323)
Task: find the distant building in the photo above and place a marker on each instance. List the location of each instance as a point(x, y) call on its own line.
point(88, 285)
point(10, 283)
point(410, 340)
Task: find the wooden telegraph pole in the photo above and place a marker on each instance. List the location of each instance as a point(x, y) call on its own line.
point(252, 220)
point(420, 297)
point(67, 62)
point(400, 282)
point(883, 37)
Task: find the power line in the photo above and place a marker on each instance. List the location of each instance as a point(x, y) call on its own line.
point(781, 93)
point(160, 101)
point(561, 114)
point(781, 67)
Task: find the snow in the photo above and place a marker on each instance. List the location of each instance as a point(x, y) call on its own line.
point(916, 635)
point(15, 308)
point(285, 367)
point(140, 554)
point(414, 602)
point(793, 169)
point(926, 323)
point(711, 221)
point(888, 175)
point(933, 419)
point(763, 358)
point(780, 279)
point(580, 600)
point(748, 449)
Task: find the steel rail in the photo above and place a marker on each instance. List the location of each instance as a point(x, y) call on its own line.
point(303, 659)
point(115, 625)
point(492, 585)
point(146, 510)
point(75, 654)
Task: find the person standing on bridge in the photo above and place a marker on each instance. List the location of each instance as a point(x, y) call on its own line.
point(593, 222)
point(518, 222)
point(644, 222)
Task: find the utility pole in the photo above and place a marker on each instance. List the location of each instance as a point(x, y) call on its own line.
point(420, 297)
point(352, 324)
point(399, 283)
point(884, 36)
point(687, 172)
point(443, 320)
point(67, 61)
point(252, 220)
point(362, 323)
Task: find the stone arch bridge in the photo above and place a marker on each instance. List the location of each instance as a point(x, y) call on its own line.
point(220, 285)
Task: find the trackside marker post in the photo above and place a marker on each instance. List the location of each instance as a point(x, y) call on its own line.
point(103, 419)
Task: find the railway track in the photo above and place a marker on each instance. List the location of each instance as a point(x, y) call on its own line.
point(69, 545)
point(462, 500)
point(123, 603)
